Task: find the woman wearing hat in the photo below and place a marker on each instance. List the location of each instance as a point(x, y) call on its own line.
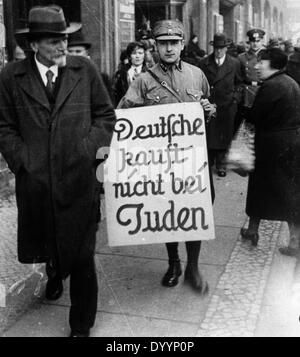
point(274, 186)
point(54, 115)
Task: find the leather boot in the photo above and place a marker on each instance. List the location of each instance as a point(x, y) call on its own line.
point(171, 277)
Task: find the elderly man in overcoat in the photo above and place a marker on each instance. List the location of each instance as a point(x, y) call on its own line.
point(54, 115)
point(224, 76)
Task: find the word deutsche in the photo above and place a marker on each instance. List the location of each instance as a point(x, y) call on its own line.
point(166, 128)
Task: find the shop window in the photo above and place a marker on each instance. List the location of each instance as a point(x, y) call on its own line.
point(147, 12)
point(21, 9)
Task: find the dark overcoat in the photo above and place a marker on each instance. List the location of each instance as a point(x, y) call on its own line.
point(121, 84)
point(52, 152)
point(225, 84)
point(274, 186)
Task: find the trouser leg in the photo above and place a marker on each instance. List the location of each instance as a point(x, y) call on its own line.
point(220, 160)
point(172, 249)
point(253, 226)
point(193, 252)
point(84, 294)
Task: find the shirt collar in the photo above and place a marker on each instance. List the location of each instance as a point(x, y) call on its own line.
point(220, 60)
point(165, 67)
point(44, 69)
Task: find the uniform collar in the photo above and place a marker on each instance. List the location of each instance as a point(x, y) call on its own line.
point(166, 68)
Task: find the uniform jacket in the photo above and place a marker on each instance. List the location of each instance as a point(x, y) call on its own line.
point(274, 186)
point(225, 83)
point(187, 80)
point(248, 61)
point(52, 153)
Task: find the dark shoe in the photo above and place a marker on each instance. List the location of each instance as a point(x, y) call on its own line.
point(290, 252)
point(196, 281)
point(253, 237)
point(54, 288)
point(80, 333)
point(222, 173)
point(171, 277)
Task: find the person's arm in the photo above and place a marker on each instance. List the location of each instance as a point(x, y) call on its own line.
point(134, 96)
point(238, 82)
point(12, 145)
point(102, 113)
point(210, 109)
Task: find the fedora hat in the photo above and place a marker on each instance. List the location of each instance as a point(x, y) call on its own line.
point(77, 39)
point(220, 40)
point(48, 20)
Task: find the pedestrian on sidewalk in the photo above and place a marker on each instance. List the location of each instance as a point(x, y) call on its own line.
point(189, 85)
point(136, 52)
point(54, 115)
point(274, 185)
point(224, 76)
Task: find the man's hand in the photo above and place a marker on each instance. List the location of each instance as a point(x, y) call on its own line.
point(210, 109)
point(207, 106)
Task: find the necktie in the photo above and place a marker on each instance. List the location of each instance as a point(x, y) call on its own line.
point(135, 74)
point(49, 75)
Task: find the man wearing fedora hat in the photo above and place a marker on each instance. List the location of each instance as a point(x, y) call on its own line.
point(224, 76)
point(186, 83)
point(78, 46)
point(54, 115)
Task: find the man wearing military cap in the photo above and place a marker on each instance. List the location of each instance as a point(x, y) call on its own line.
point(55, 114)
point(186, 83)
point(248, 62)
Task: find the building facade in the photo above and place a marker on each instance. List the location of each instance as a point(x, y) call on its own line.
point(111, 24)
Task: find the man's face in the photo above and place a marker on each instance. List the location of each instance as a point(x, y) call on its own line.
point(51, 50)
point(169, 50)
point(78, 51)
point(256, 44)
point(220, 52)
point(263, 69)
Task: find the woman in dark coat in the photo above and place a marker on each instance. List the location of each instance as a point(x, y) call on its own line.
point(274, 186)
point(136, 55)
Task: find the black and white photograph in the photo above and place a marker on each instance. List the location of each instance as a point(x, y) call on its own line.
point(150, 171)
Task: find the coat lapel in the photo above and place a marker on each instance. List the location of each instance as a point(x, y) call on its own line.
point(69, 80)
point(223, 70)
point(211, 66)
point(27, 78)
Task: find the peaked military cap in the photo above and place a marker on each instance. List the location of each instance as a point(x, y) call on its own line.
point(168, 30)
point(255, 34)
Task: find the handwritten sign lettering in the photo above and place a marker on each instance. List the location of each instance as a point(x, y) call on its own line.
point(157, 185)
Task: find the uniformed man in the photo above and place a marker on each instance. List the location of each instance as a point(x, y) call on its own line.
point(248, 62)
point(182, 83)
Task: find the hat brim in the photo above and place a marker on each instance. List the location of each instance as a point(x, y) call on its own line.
point(88, 45)
point(73, 27)
point(212, 43)
point(166, 38)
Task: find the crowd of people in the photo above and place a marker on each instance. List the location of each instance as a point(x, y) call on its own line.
point(56, 111)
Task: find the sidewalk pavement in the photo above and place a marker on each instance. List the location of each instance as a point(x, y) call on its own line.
point(249, 287)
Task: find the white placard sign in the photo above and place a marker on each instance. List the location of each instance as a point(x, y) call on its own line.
point(157, 186)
